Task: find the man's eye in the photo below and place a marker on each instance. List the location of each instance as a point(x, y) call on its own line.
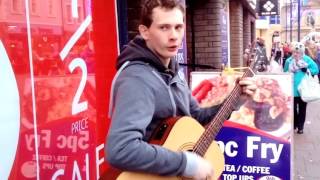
point(163, 28)
point(179, 27)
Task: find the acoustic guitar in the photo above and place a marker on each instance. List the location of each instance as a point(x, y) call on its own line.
point(186, 134)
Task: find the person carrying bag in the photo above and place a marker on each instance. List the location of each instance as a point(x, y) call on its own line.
point(309, 88)
point(299, 64)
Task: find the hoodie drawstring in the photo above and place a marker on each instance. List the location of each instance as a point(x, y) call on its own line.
point(112, 87)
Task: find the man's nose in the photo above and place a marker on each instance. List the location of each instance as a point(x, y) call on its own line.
point(174, 34)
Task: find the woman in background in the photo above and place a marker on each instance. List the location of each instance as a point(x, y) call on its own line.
point(299, 64)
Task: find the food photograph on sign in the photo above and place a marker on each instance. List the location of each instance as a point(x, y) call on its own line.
point(269, 110)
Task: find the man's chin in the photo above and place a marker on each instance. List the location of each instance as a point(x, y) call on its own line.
point(172, 53)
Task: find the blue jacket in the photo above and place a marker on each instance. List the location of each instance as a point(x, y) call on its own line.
point(297, 77)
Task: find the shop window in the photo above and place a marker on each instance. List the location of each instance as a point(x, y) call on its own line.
point(16, 6)
point(52, 11)
point(122, 22)
point(275, 19)
point(128, 19)
point(263, 17)
point(80, 14)
point(34, 7)
point(68, 13)
point(70, 19)
point(305, 2)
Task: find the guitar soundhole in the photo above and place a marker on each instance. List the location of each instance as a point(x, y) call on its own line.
point(159, 134)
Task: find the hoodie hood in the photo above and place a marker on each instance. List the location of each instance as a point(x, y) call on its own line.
point(137, 50)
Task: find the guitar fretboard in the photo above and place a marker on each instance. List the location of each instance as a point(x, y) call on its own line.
point(216, 124)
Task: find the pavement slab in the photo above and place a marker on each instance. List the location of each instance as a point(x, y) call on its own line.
point(307, 146)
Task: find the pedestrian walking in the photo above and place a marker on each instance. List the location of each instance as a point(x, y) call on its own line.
point(299, 64)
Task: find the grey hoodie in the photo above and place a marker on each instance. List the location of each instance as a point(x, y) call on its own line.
point(144, 93)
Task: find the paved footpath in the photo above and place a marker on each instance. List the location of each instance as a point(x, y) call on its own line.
point(307, 146)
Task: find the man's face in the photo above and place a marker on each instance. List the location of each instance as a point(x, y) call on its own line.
point(165, 34)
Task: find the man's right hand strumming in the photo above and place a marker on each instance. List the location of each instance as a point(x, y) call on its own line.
point(197, 168)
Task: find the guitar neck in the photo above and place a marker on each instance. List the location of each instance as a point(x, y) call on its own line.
point(216, 124)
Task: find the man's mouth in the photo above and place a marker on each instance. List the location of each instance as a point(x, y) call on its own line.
point(173, 48)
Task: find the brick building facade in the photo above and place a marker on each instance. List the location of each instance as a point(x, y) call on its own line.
point(204, 51)
point(206, 31)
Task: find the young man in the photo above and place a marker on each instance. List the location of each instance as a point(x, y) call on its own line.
point(147, 89)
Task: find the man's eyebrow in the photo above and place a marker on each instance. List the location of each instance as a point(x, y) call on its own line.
point(171, 24)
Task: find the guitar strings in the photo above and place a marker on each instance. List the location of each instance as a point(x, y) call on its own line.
point(208, 136)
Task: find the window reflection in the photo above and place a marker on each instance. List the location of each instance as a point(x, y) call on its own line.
point(52, 25)
point(16, 6)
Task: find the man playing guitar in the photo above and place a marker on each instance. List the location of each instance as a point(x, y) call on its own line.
point(148, 89)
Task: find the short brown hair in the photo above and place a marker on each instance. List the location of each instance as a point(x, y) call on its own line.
point(149, 5)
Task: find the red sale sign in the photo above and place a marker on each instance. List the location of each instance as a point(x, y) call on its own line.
point(56, 69)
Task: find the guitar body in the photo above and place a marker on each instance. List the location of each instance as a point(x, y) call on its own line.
point(182, 136)
point(186, 134)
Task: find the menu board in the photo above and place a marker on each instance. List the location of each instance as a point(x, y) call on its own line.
point(257, 137)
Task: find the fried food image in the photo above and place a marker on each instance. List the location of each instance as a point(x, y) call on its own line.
point(268, 109)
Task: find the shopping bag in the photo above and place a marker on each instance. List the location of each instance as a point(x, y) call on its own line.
point(309, 88)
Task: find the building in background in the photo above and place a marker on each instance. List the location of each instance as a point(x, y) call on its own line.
point(268, 27)
point(218, 30)
point(211, 26)
point(309, 19)
point(285, 25)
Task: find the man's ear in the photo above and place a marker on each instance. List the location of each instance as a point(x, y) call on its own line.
point(144, 31)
